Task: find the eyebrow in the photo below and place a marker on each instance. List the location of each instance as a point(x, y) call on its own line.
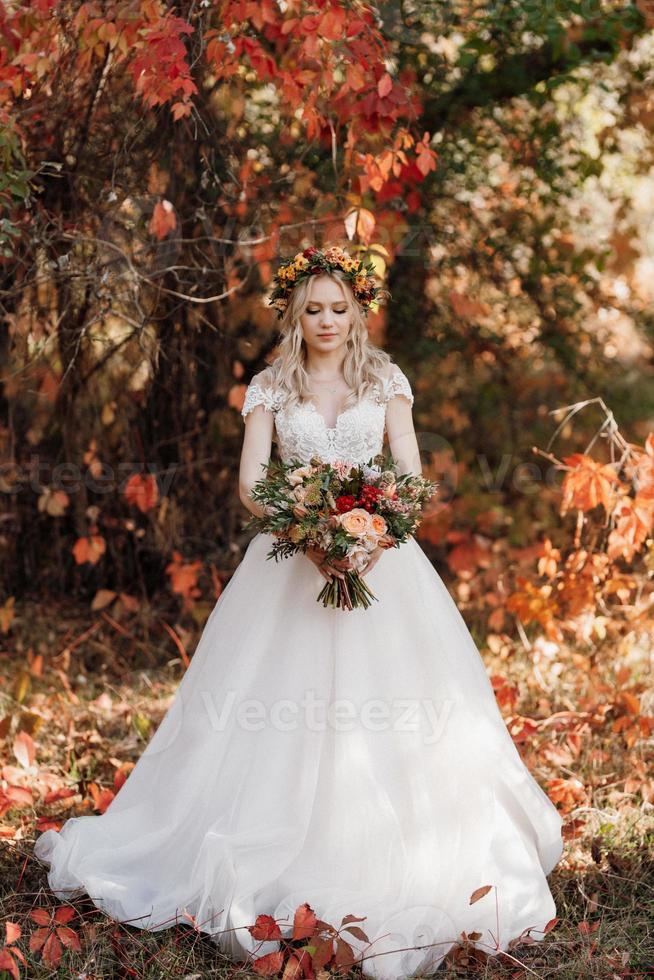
point(314, 302)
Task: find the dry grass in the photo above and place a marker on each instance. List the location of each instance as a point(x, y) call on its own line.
point(603, 887)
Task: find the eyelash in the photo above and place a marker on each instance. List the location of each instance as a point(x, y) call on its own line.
point(318, 311)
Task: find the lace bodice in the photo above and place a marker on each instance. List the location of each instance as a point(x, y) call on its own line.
point(302, 431)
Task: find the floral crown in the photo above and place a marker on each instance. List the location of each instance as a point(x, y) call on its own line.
point(312, 261)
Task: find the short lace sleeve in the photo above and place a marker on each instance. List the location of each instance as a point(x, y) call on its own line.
point(396, 384)
point(260, 393)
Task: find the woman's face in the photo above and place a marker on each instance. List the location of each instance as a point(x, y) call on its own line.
point(325, 321)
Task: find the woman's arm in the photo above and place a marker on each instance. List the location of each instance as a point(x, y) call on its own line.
point(255, 453)
point(401, 435)
point(402, 440)
point(257, 444)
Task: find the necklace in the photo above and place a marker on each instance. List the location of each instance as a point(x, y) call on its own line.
point(323, 381)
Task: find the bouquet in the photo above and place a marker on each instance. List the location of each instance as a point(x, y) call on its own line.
point(347, 511)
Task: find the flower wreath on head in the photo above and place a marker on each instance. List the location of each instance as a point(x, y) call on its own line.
point(312, 261)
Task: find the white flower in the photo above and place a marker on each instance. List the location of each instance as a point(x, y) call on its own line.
point(359, 557)
point(369, 541)
point(371, 473)
point(297, 476)
point(326, 539)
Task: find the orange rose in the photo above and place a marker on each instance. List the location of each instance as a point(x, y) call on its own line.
point(356, 521)
point(379, 525)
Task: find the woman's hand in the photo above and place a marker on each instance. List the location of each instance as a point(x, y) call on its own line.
point(328, 570)
point(374, 558)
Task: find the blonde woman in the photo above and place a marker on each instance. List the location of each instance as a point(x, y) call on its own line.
point(353, 760)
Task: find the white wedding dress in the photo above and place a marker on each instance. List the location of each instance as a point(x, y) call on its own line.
point(354, 760)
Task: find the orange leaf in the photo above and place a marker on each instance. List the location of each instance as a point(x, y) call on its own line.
point(236, 396)
point(142, 490)
point(24, 749)
point(179, 110)
point(163, 219)
point(59, 794)
point(89, 549)
point(184, 577)
point(102, 598)
point(19, 795)
point(588, 484)
point(479, 893)
point(466, 308)
point(630, 702)
point(7, 614)
point(361, 222)
point(425, 156)
point(101, 797)
point(331, 24)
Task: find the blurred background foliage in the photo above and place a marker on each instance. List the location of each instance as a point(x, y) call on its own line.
point(142, 225)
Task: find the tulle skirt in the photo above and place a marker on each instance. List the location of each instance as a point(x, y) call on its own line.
point(353, 760)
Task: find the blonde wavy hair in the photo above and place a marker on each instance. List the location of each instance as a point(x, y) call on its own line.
point(364, 364)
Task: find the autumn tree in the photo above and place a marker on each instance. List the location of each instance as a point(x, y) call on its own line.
point(160, 157)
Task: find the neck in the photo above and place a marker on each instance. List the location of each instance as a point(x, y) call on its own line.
point(329, 364)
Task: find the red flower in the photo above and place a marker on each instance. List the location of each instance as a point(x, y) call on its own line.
point(308, 252)
point(370, 494)
point(345, 502)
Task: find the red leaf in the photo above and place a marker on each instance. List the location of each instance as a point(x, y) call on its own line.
point(69, 938)
point(12, 932)
point(292, 969)
point(265, 928)
point(163, 219)
point(142, 490)
point(41, 916)
point(384, 85)
point(64, 914)
point(8, 963)
point(268, 965)
point(52, 950)
point(304, 922)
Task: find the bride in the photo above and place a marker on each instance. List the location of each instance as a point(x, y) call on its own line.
point(354, 760)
